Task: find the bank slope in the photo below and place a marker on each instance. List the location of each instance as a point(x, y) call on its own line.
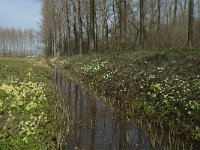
point(163, 85)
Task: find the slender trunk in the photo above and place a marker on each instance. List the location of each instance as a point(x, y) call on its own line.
point(65, 39)
point(105, 25)
point(115, 25)
point(152, 16)
point(60, 46)
point(75, 31)
point(80, 29)
point(136, 38)
point(107, 44)
point(190, 23)
point(96, 35)
point(92, 26)
point(123, 25)
point(175, 11)
point(68, 29)
point(141, 40)
point(75, 37)
point(158, 26)
point(88, 33)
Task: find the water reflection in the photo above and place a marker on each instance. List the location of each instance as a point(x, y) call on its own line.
point(96, 126)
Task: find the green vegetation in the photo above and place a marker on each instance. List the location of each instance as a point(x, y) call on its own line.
point(28, 118)
point(162, 85)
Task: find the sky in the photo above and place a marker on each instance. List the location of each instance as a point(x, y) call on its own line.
point(20, 13)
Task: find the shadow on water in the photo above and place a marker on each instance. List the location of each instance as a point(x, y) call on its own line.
point(97, 126)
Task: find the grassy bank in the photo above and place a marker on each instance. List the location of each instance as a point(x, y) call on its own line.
point(28, 118)
point(162, 85)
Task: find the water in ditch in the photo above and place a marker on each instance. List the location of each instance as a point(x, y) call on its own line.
point(97, 126)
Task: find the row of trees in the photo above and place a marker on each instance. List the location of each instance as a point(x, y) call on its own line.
point(81, 26)
point(18, 42)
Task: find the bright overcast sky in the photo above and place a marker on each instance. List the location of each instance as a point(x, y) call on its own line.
point(20, 13)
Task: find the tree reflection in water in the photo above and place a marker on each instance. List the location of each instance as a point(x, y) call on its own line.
point(97, 126)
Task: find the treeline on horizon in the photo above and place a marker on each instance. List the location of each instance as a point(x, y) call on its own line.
point(82, 26)
point(19, 42)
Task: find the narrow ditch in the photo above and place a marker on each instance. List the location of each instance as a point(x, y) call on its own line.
point(97, 126)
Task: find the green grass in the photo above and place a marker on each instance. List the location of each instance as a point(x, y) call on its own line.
point(163, 85)
point(28, 118)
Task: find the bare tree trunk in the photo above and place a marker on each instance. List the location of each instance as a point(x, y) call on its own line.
point(68, 30)
point(107, 40)
point(92, 26)
point(123, 24)
point(190, 23)
point(80, 28)
point(88, 33)
point(65, 40)
point(105, 24)
point(158, 26)
point(175, 12)
point(152, 16)
point(141, 40)
point(115, 26)
point(96, 34)
point(75, 30)
point(183, 8)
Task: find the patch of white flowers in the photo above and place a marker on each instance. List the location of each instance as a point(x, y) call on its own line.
point(64, 62)
point(173, 93)
point(93, 68)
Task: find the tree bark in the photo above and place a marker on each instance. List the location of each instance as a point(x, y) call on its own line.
point(158, 26)
point(105, 25)
point(141, 40)
point(75, 30)
point(88, 33)
point(152, 15)
point(175, 12)
point(115, 43)
point(80, 28)
point(68, 29)
point(190, 23)
point(92, 26)
point(123, 24)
